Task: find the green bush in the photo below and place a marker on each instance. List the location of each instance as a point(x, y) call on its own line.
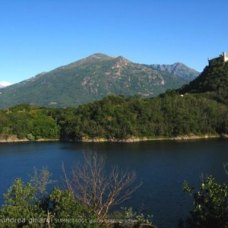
point(20, 206)
point(210, 205)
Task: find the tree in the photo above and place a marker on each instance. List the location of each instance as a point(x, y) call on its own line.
point(100, 190)
point(20, 205)
point(65, 211)
point(31, 205)
point(40, 179)
point(210, 205)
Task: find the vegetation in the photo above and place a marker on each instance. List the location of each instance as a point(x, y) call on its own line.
point(210, 205)
point(213, 83)
point(28, 122)
point(169, 115)
point(58, 208)
point(114, 118)
point(199, 108)
point(97, 189)
point(31, 205)
point(81, 204)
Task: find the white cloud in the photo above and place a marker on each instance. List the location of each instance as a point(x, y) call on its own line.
point(4, 84)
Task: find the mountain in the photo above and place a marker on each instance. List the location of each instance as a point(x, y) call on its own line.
point(213, 81)
point(90, 79)
point(178, 69)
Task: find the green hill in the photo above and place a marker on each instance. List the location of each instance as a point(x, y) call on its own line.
point(199, 109)
point(212, 82)
point(90, 79)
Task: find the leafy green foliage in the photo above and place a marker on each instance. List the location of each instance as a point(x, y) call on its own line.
point(210, 205)
point(166, 116)
point(29, 122)
point(128, 215)
point(213, 82)
point(20, 205)
point(118, 117)
point(68, 212)
point(30, 205)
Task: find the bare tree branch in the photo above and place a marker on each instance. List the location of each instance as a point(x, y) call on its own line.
point(40, 179)
point(98, 189)
point(225, 165)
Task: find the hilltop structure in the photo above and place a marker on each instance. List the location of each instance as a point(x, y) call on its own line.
point(221, 59)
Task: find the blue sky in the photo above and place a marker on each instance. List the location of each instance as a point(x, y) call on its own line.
point(38, 36)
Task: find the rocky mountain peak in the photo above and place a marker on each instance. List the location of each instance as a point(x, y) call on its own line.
point(121, 61)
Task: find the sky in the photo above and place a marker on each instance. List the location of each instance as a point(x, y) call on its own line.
point(38, 36)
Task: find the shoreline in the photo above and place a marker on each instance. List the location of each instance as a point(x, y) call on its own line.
point(16, 140)
point(144, 139)
point(128, 140)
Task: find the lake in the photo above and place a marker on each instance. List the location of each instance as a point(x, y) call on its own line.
point(161, 166)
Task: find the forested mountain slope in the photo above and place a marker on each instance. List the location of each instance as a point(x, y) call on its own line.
point(90, 79)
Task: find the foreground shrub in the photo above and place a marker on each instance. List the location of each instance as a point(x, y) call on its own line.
point(210, 205)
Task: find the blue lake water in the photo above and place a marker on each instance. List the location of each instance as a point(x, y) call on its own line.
point(161, 166)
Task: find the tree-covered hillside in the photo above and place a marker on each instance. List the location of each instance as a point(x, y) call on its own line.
point(117, 117)
point(199, 108)
point(170, 115)
point(27, 122)
point(213, 82)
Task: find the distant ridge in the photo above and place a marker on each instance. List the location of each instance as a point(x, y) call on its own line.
point(178, 69)
point(95, 77)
